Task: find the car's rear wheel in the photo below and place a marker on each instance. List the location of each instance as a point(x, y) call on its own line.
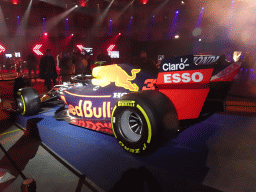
point(143, 121)
point(28, 101)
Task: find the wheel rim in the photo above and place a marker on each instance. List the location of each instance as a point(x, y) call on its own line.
point(20, 105)
point(131, 126)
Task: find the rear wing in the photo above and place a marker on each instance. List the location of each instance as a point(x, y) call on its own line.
point(187, 80)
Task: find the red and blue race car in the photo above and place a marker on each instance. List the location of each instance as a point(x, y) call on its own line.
point(142, 109)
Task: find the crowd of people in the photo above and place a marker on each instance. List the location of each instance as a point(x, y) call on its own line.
point(75, 63)
point(47, 67)
point(67, 64)
point(11, 64)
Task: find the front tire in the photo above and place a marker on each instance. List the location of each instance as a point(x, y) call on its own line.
point(28, 101)
point(143, 121)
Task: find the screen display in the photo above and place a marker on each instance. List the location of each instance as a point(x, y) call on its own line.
point(87, 50)
point(8, 55)
point(114, 54)
point(17, 54)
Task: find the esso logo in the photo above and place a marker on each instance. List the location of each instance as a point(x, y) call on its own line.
point(184, 77)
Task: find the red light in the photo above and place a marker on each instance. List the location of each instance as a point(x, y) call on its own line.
point(2, 49)
point(72, 34)
point(83, 3)
point(15, 2)
point(80, 47)
point(45, 34)
point(110, 48)
point(144, 1)
point(119, 33)
point(36, 49)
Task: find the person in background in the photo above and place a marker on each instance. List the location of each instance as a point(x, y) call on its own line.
point(31, 65)
point(79, 63)
point(104, 57)
point(85, 64)
point(100, 57)
point(1, 61)
point(88, 70)
point(248, 62)
point(18, 66)
point(8, 64)
point(146, 64)
point(65, 65)
point(247, 65)
point(47, 69)
point(73, 56)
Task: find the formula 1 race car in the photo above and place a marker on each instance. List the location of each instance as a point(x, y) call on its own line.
point(143, 110)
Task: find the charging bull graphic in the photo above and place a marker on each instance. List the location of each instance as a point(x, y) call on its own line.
point(104, 75)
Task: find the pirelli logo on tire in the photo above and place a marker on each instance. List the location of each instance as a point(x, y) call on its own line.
point(126, 103)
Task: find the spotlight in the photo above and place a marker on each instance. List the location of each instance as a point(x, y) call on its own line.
point(80, 47)
point(176, 36)
point(110, 20)
point(110, 48)
point(72, 34)
point(76, 6)
point(2, 49)
point(182, 2)
point(45, 34)
point(177, 11)
point(67, 19)
point(203, 8)
point(119, 33)
point(144, 2)
point(199, 39)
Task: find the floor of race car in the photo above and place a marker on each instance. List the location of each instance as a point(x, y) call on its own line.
point(216, 154)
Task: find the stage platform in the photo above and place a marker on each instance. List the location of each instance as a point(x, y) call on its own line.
point(182, 163)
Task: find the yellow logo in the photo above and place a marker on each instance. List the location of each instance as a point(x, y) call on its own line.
point(104, 75)
point(126, 103)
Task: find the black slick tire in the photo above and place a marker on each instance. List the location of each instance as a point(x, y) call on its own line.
point(143, 121)
point(28, 101)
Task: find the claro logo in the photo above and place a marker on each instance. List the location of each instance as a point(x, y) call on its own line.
point(184, 77)
point(174, 67)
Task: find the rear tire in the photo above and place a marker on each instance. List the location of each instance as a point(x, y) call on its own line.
point(143, 121)
point(28, 101)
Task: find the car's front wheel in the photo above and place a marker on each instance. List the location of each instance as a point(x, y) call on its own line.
point(28, 101)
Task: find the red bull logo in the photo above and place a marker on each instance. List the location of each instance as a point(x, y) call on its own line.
point(96, 126)
point(85, 109)
point(104, 75)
